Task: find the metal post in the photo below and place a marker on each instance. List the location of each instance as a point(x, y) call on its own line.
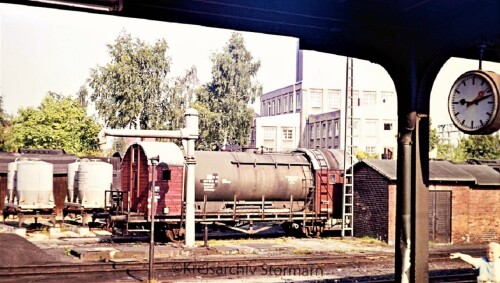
point(190, 205)
point(152, 213)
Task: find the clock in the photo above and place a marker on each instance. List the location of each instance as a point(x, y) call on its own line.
point(473, 103)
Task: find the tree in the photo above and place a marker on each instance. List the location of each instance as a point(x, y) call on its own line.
point(127, 91)
point(223, 103)
point(480, 147)
point(59, 122)
point(180, 96)
point(4, 125)
point(82, 96)
point(433, 137)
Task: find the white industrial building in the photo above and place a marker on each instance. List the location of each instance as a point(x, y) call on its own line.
point(311, 112)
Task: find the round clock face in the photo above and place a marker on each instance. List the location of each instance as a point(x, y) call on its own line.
point(473, 103)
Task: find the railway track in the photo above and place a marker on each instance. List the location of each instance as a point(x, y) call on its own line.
point(310, 266)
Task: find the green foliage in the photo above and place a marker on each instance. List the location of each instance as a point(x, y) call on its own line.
point(449, 152)
point(59, 123)
point(480, 147)
point(119, 145)
point(360, 155)
point(223, 103)
point(4, 125)
point(128, 91)
point(433, 137)
point(180, 96)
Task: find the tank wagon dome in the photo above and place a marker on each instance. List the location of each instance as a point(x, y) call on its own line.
point(168, 152)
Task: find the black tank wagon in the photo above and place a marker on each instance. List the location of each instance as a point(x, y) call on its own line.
point(300, 190)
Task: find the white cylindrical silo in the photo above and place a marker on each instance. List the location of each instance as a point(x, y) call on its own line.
point(11, 181)
point(35, 184)
point(94, 178)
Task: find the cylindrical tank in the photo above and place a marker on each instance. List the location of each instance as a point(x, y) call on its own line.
point(249, 176)
point(11, 181)
point(34, 184)
point(94, 178)
point(72, 180)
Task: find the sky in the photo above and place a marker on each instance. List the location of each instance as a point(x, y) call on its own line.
point(44, 50)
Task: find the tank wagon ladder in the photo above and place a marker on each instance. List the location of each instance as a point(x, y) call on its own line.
point(325, 198)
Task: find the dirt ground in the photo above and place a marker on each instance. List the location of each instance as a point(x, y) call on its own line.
point(40, 247)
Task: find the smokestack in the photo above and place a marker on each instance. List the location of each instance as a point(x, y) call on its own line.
point(299, 65)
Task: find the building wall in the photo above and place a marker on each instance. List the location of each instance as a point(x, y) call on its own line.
point(371, 204)
point(320, 91)
point(475, 215)
point(323, 130)
point(391, 239)
point(277, 134)
point(474, 211)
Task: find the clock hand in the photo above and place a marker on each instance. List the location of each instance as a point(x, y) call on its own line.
point(480, 96)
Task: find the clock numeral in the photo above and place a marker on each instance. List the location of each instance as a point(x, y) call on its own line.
point(463, 82)
point(473, 80)
point(456, 113)
point(463, 122)
point(490, 102)
point(488, 90)
point(488, 113)
point(457, 91)
point(481, 121)
point(482, 83)
point(455, 102)
point(472, 124)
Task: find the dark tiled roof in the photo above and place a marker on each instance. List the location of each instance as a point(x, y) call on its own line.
point(484, 174)
point(438, 170)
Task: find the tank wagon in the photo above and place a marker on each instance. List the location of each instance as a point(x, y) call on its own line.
point(300, 190)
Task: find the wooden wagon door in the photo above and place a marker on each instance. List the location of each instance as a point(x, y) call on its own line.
point(440, 216)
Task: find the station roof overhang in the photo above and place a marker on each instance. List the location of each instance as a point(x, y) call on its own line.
point(381, 31)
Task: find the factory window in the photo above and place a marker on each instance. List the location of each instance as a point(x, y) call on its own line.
point(355, 98)
point(274, 108)
point(369, 98)
point(324, 130)
point(316, 98)
point(298, 100)
point(355, 127)
point(311, 131)
point(330, 130)
point(269, 109)
point(370, 150)
point(269, 133)
point(334, 98)
point(291, 102)
point(336, 130)
point(387, 126)
point(371, 128)
point(288, 134)
point(278, 108)
point(264, 109)
point(387, 97)
point(318, 131)
point(285, 104)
